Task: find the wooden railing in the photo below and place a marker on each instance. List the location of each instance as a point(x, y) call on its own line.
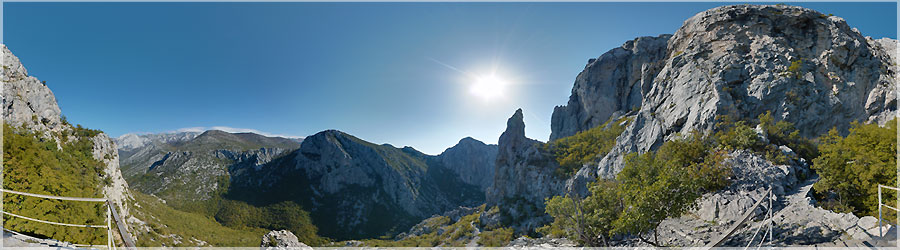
point(766, 196)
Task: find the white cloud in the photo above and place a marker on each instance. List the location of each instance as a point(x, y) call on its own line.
point(191, 129)
point(234, 130)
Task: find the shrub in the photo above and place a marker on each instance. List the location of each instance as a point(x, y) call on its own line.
point(794, 69)
point(737, 135)
point(585, 147)
point(496, 238)
point(733, 135)
point(784, 133)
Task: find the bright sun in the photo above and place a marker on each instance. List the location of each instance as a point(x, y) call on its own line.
point(488, 87)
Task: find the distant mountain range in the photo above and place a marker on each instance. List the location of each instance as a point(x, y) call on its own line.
point(352, 188)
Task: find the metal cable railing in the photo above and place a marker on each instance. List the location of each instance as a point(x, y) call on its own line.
point(110, 244)
point(880, 219)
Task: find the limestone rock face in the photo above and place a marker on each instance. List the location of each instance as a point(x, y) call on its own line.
point(29, 103)
point(614, 82)
point(743, 60)
point(105, 151)
point(283, 239)
point(524, 176)
point(472, 160)
point(26, 101)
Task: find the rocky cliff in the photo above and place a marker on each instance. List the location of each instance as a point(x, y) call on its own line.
point(742, 60)
point(29, 103)
point(472, 160)
point(524, 176)
point(614, 82)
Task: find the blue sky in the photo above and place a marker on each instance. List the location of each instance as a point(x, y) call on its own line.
point(397, 73)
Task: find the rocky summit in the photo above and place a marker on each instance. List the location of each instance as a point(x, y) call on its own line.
point(523, 177)
point(742, 60)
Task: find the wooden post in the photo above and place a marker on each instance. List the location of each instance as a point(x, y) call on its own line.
point(880, 233)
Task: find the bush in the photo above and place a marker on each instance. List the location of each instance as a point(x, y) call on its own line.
point(738, 135)
point(585, 147)
point(496, 238)
point(794, 69)
point(457, 234)
point(852, 167)
point(784, 133)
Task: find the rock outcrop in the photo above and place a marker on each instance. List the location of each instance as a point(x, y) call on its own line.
point(472, 160)
point(524, 176)
point(282, 239)
point(29, 103)
point(741, 60)
point(614, 82)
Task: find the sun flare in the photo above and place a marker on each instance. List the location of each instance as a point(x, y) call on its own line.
point(488, 87)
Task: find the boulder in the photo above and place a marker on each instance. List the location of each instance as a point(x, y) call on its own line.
point(282, 239)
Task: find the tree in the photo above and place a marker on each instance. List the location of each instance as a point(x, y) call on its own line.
point(852, 167)
point(667, 183)
point(587, 220)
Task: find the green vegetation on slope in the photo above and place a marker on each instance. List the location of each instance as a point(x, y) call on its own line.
point(443, 233)
point(283, 215)
point(496, 238)
point(171, 227)
point(653, 186)
point(852, 167)
point(585, 147)
point(35, 165)
point(733, 135)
